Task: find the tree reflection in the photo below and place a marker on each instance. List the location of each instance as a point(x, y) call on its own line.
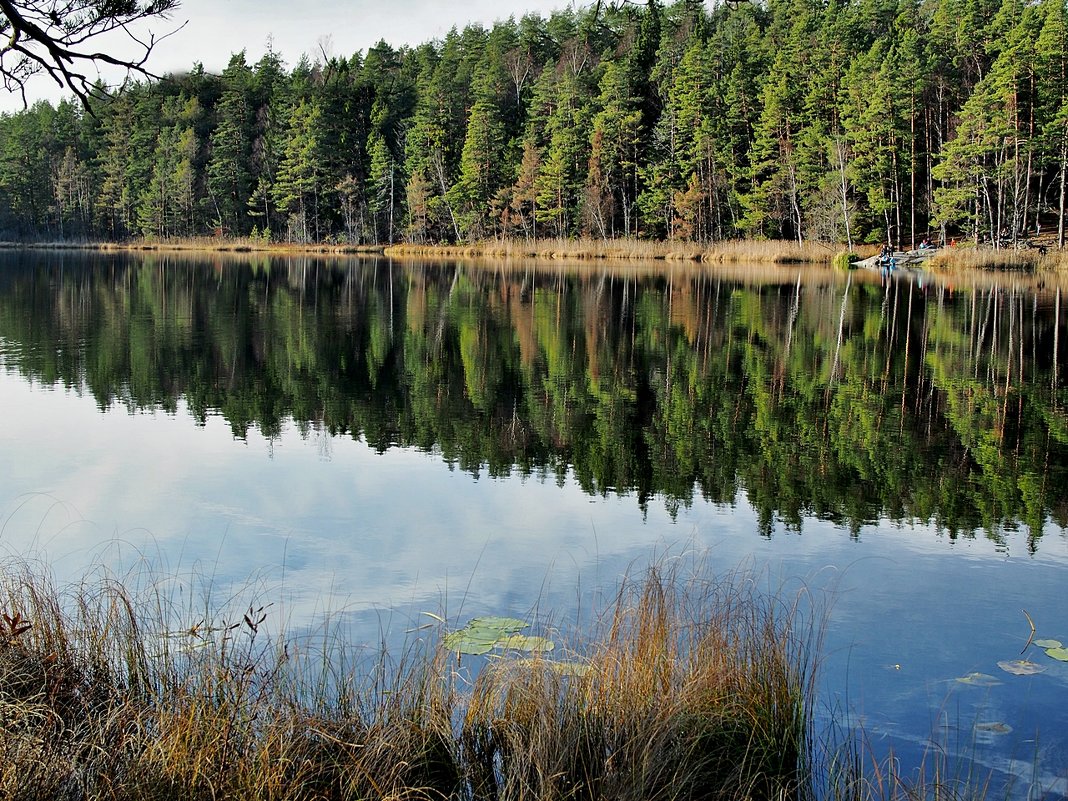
point(814, 394)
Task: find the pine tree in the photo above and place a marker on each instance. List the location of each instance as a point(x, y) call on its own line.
point(986, 168)
point(114, 202)
point(563, 170)
point(384, 185)
point(299, 181)
point(873, 127)
point(612, 178)
point(483, 155)
point(229, 167)
point(1052, 103)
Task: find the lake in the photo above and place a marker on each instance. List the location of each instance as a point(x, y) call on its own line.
point(370, 440)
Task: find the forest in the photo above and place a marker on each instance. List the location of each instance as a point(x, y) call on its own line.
point(843, 121)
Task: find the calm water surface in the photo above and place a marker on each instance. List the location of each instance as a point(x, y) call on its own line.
point(378, 440)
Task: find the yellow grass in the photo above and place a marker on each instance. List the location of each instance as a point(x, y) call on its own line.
point(203, 244)
point(770, 251)
point(690, 686)
point(783, 252)
point(985, 258)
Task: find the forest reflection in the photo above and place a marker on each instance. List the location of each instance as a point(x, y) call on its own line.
point(814, 393)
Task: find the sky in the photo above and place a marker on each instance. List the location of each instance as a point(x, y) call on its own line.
point(213, 29)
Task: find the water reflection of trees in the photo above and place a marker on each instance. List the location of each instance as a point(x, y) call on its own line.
point(830, 397)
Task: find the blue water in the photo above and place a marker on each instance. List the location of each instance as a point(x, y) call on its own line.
point(322, 524)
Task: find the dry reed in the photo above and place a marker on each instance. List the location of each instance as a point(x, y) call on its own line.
point(204, 244)
point(690, 686)
point(986, 258)
point(631, 249)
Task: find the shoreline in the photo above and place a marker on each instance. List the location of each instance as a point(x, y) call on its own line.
point(769, 252)
point(766, 252)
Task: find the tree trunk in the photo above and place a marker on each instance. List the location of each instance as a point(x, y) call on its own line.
point(844, 188)
point(1064, 169)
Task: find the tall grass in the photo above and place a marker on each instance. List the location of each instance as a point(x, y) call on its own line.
point(213, 244)
point(692, 690)
point(631, 249)
point(688, 686)
point(986, 258)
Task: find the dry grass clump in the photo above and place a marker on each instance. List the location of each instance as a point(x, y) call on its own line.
point(210, 244)
point(689, 687)
point(582, 249)
point(985, 258)
point(695, 690)
point(775, 251)
point(101, 699)
point(964, 257)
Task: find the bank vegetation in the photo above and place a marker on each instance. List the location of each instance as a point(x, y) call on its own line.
point(689, 686)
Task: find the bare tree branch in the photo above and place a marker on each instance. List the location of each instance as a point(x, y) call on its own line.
point(59, 38)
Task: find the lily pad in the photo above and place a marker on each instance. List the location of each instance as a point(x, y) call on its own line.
point(482, 634)
point(1048, 644)
point(979, 680)
point(521, 642)
point(508, 625)
point(994, 728)
point(1021, 667)
point(459, 642)
point(1060, 654)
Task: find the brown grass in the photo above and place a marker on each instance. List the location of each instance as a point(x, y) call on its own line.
point(694, 690)
point(770, 251)
point(689, 687)
point(985, 258)
point(203, 244)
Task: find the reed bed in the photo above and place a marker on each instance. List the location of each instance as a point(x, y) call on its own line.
point(986, 258)
point(209, 244)
point(557, 248)
point(763, 251)
point(683, 690)
point(688, 686)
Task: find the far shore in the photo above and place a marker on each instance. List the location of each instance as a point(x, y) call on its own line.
point(965, 256)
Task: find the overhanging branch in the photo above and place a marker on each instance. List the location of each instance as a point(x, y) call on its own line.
point(52, 37)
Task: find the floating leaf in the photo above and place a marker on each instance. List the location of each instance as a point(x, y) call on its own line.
point(994, 728)
point(1048, 643)
point(1058, 653)
point(979, 680)
point(521, 642)
point(482, 634)
point(1021, 667)
point(459, 641)
point(506, 625)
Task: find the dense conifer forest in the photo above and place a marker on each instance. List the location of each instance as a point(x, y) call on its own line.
point(833, 120)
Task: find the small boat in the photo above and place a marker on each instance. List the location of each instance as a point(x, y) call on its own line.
point(901, 258)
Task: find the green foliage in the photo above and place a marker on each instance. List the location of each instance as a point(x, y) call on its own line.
point(845, 260)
